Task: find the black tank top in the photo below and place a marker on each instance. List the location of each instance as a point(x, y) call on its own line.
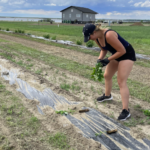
point(109, 47)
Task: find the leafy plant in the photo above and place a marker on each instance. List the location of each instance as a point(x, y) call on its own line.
point(47, 36)
point(54, 38)
point(79, 42)
point(147, 112)
point(7, 29)
point(98, 134)
point(19, 31)
point(90, 44)
point(65, 112)
point(97, 73)
point(62, 112)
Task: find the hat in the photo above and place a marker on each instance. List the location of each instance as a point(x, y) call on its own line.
point(88, 30)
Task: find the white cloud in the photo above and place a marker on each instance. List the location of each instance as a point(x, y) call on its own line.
point(146, 4)
point(39, 12)
point(4, 1)
point(142, 4)
point(131, 1)
point(137, 4)
point(130, 15)
point(50, 4)
point(108, 14)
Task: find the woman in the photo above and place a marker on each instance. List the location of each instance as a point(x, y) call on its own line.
point(121, 60)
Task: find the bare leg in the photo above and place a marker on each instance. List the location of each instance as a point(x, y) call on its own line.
point(110, 70)
point(124, 69)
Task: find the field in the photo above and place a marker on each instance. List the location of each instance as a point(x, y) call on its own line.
point(66, 71)
point(137, 35)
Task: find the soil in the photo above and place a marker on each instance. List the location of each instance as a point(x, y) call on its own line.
point(137, 24)
point(52, 77)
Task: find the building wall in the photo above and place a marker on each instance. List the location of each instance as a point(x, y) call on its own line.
point(77, 15)
point(73, 14)
point(88, 17)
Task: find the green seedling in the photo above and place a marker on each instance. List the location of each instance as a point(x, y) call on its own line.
point(71, 111)
point(62, 112)
point(97, 73)
point(98, 134)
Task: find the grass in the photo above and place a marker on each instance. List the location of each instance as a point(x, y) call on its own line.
point(136, 35)
point(58, 140)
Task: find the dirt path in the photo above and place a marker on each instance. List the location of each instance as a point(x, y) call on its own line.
point(138, 73)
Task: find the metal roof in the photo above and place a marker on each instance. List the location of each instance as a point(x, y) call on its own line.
point(84, 10)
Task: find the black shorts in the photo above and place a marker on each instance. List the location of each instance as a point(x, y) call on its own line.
point(129, 55)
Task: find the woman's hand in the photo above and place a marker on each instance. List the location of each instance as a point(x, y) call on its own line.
point(104, 62)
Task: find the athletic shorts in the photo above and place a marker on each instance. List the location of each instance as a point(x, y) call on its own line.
point(129, 55)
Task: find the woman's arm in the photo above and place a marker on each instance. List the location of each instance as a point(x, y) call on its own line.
point(102, 52)
point(112, 39)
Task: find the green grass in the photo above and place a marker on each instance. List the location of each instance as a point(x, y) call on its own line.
point(58, 140)
point(136, 35)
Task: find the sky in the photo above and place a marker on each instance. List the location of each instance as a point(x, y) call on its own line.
point(106, 9)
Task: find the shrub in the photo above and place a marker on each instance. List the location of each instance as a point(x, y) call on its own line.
point(0, 29)
point(46, 36)
point(79, 42)
point(54, 38)
point(19, 31)
point(90, 43)
point(7, 29)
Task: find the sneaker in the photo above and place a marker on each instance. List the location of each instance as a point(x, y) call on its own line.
point(104, 98)
point(124, 115)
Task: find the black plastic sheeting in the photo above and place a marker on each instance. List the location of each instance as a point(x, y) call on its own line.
point(94, 122)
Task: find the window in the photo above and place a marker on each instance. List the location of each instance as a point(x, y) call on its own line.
point(69, 15)
point(78, 15)
point(86, 15)
point(71, 10)
point(63, 15)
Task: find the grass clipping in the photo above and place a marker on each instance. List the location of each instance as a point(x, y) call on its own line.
point(97, 73)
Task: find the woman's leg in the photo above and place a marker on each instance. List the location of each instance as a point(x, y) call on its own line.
point(110, 70)
point(124, 69)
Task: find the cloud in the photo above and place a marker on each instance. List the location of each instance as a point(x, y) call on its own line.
point(109, 13)
point(142, 4)
point(129, 15)
point(50, 4)
point(131, 1)
point(4, 1)
point(33, 12)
